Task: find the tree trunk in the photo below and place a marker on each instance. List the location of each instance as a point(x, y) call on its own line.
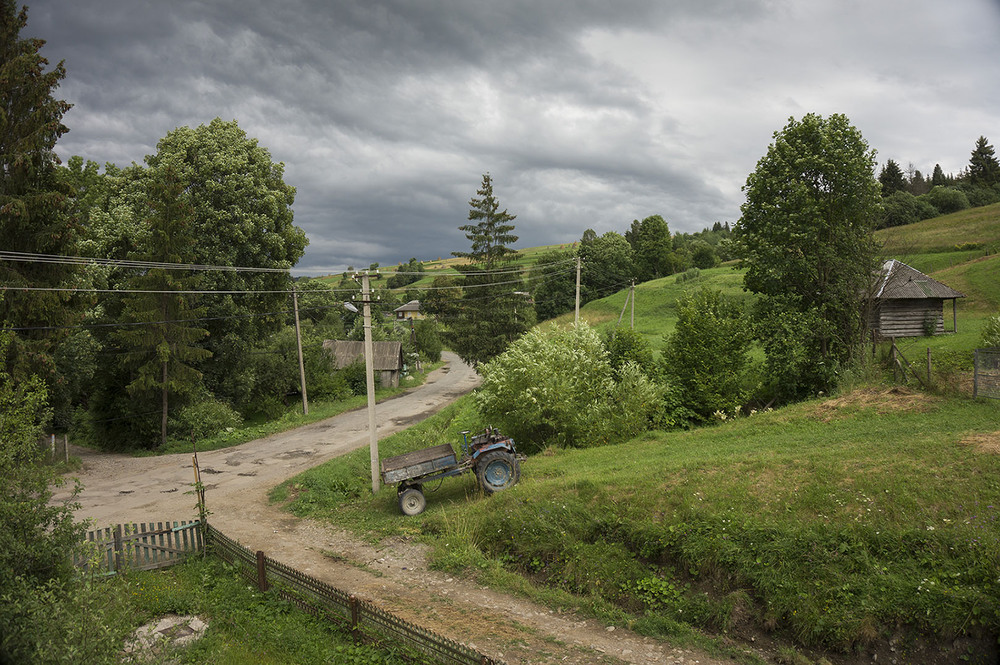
point(163, 415)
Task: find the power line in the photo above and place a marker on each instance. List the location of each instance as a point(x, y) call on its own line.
point(126, 263)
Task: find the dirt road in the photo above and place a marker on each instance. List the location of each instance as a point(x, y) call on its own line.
point(395, 574)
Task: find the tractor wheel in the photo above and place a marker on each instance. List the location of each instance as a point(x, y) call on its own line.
point(412, 501)
point(497, 471)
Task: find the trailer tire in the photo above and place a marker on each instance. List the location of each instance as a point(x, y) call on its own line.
point(497, 471)
point(412, 501)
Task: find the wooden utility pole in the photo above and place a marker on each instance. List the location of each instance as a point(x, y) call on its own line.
point(576, 319)
point(298, 341)
point(370, 378)
point(631, 293)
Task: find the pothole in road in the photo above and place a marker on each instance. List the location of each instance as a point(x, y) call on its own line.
point(296, 453)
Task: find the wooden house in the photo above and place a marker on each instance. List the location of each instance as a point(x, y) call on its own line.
point(409, 312)
point(387, 358)
point(908, 303)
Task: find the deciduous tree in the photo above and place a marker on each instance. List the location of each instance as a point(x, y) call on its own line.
point(806, 239)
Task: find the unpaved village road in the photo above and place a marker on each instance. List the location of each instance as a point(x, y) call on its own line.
point(393, 574)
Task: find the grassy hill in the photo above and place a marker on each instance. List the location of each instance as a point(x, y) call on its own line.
point(836, 523)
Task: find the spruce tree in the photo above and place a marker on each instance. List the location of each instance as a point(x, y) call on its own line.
point(984, 169)
point(493, 310)
point(33, 216)
point(891, 178)
point(160, 345)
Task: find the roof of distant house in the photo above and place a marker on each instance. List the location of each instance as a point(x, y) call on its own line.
point(899, 281)
point(386, 355)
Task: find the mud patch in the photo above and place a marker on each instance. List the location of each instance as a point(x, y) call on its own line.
point(882, 400)
point(291, 454)
point(984, 443)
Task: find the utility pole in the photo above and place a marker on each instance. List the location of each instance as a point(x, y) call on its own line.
point(576, 319)
point(298, 341)
point(631, 292)
point(370, 378)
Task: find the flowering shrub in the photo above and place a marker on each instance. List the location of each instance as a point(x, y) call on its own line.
point(557, 387)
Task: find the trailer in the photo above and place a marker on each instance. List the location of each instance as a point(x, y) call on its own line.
point(489, 454)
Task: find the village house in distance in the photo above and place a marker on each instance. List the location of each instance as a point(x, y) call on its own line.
point(908, 303)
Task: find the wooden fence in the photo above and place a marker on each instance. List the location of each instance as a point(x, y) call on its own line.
point(368, 622)
point(986, 382)
point(140, 546)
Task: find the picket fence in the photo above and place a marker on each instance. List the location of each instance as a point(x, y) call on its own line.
point(150, 546)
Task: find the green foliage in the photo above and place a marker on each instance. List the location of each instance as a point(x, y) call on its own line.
point(688, 275)
point(492, 311)
point(625, 346)
point(653, 247)
point(806, 236)
point(207, 417)
point(34, 216)
point(827, 523)
point(404, 274)
point(40, 603)
point(553, 280)
point(947, 199)
point(706, 357)
point(991, 333)
point(891, 178)
point(428, 339)
point(607, 264)
point(899, 208)
point(557, 387)
point(984, 169)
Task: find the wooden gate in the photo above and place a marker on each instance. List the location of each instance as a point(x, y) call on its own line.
point(143, 546)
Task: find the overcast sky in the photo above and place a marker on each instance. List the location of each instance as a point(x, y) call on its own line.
point(587, 113)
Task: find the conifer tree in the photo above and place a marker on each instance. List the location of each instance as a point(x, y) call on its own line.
point(493, 311)
point(33, 215)
point(984, 169)
point(161, 345)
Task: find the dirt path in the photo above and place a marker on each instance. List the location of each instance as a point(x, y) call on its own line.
point(394, 574)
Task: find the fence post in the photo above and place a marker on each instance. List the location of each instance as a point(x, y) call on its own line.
point(928, 367)
point(261, 571)
point(355, 615)
point(975, 373)
point(118, 548)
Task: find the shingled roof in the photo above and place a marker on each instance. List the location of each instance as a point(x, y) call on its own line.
point(386, 355)
point(900, 281)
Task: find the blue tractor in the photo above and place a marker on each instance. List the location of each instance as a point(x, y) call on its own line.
point(489, 454)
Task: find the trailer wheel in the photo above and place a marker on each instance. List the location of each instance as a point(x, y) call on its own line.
point(497, 471)
point(412, 501)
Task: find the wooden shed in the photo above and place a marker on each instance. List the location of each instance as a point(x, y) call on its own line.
point(908, 303)
point(388, 358)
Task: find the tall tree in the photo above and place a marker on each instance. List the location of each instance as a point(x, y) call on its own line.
point(806, 239)
point(553, 283)
point(984, 169)
point(33, 216)
point(653, 248)
point(891, 178)
point(938, 177)
point(608, 264)
point(493, 310)
point(161, 347)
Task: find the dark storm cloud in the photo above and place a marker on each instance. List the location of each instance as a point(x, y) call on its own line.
point(587, 114)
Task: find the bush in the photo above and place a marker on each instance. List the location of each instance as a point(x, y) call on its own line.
point(557, 387)
point(706, 357)
point(898, 209)
point(625, 345)
point(354, 375)
point(689, 274)
point(206, 418)
point(428, 340)
point(947, 199)
point(991, 333)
